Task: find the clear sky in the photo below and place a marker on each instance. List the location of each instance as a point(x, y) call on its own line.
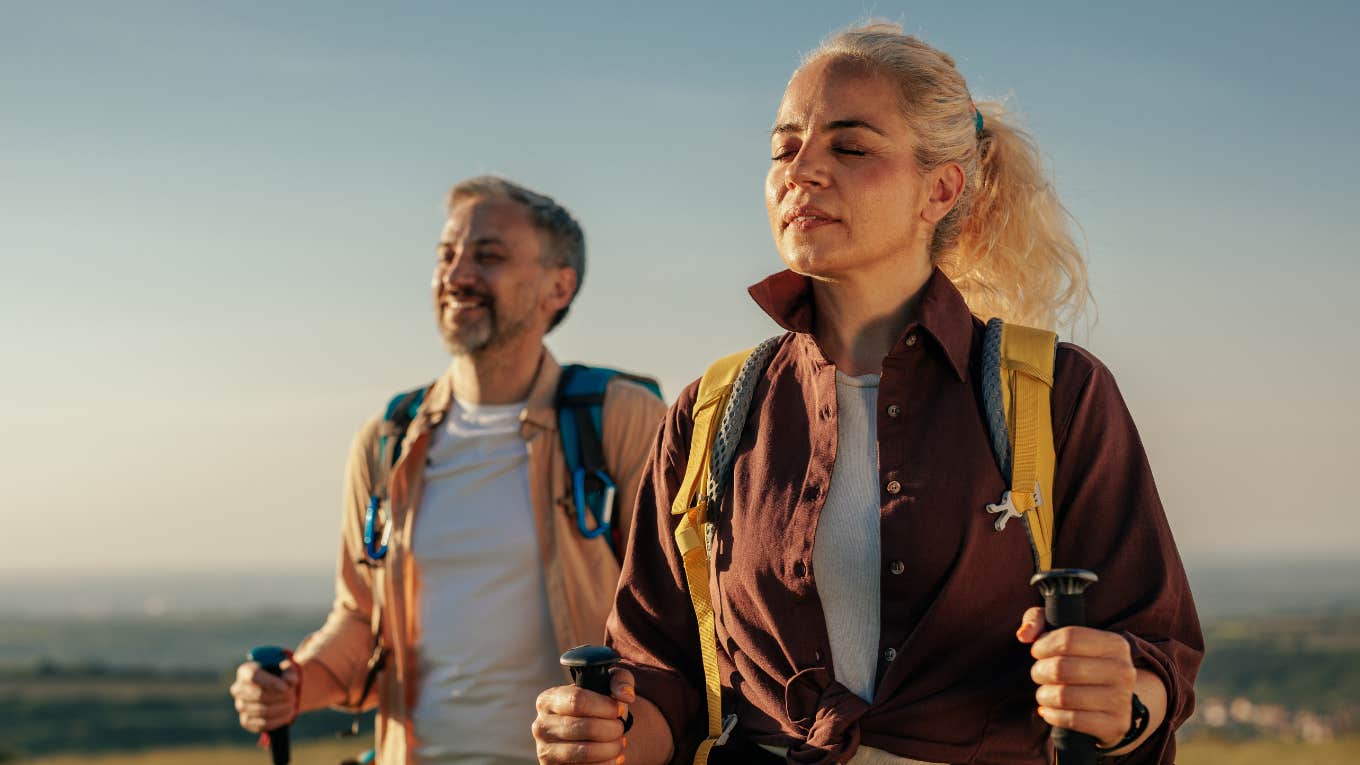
point(217, 224)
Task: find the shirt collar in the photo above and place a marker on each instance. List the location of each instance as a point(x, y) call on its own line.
point(538, 409)
point(942, 313)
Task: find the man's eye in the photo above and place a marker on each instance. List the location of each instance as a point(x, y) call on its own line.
point(846, 150)
point(485, 256)
point(782, 154)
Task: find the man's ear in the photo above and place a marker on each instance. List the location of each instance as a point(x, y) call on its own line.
point(944, 186)
point(561, 288)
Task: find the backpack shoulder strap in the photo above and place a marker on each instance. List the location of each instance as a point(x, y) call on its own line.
point(1017, 368)
point(400, 412)
point(397, 417)
point(579, 402)
point(714, 388)
point(719, 414)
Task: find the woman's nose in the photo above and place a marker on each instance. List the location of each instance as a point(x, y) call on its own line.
point(805, 170)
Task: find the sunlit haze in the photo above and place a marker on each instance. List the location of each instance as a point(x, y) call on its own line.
point(217, 226)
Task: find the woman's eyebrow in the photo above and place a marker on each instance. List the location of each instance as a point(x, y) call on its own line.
point(846, 124)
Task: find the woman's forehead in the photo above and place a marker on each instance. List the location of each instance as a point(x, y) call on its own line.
point(837, 89)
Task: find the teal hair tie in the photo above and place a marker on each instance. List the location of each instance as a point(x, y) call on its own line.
point(977, 119)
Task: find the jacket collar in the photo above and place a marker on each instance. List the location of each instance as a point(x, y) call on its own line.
point(942, 314)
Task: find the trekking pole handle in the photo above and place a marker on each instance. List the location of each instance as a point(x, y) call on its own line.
point(590, 665)
point(270, 658)
point(1065, 606)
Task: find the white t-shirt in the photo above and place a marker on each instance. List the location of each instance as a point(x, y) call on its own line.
point(846, 549)
point(486, 646)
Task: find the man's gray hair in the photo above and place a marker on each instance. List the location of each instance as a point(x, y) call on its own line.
point(564, 243)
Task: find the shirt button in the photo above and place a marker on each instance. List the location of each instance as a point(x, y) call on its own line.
point(911, 340)
point(889, 654)
point(894, 487)
point(894, 410)
point(799, 569)
point(897, 567)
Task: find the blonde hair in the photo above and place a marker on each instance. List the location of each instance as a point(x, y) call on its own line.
point(1006, 244)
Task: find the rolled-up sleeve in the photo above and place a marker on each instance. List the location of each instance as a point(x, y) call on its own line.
point(1111, 521)
point(652, 625)
point(344, 643)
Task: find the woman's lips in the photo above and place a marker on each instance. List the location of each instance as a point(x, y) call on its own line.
point(808, 223)
point(807, 217)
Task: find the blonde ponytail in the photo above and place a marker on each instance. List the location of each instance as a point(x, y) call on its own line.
point(1007, 244)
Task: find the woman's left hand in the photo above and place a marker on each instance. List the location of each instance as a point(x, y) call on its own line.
point(1086, 678)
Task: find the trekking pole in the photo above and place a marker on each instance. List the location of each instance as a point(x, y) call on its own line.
point(270, 658)
point(1065, 606)
point(589, 666)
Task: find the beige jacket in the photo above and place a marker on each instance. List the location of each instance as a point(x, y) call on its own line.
point(580, 574)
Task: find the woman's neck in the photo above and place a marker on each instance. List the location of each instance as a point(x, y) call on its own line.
point(860, 316)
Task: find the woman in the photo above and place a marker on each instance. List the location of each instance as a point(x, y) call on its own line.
point(866, 604)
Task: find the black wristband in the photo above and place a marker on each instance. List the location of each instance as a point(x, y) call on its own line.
point(1138, 725)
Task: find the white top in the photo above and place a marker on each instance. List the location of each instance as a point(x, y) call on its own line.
point(846, 549)
point(486, 645)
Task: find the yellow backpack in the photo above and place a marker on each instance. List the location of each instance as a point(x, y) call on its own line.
point(1017, 369)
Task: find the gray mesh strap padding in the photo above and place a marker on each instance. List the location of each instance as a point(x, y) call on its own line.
point(992, 396)
point(734, 418)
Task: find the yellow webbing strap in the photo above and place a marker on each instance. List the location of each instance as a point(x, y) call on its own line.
point(691, 502)
point(1027, 357)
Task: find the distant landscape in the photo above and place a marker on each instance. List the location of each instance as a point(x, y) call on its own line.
point(139, 665)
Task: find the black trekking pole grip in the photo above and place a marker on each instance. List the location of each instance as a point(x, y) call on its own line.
point(270, 658)
point(1065, 606)
point(590, 665)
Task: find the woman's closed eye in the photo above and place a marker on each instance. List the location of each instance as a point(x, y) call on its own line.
point(786, 153)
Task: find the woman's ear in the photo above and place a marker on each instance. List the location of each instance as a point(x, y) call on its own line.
point(944, 186)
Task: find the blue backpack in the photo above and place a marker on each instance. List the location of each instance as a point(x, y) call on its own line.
point(579, 402)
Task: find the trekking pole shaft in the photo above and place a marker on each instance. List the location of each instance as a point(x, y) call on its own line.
point(1074, 748)
point(279, 744)
point(1065, 610)
point(1065, 606)
point(270, 660)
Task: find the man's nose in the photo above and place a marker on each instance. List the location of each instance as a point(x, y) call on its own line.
point(459, 271)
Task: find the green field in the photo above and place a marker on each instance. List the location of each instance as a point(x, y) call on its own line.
point(90, 710)
point(154, 691)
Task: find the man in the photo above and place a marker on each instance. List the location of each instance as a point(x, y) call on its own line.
point(486, 576)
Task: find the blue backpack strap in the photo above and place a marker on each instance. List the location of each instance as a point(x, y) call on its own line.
point(580, 420)
point(401, 410)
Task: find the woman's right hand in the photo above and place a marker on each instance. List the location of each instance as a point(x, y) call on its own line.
point(579, 726)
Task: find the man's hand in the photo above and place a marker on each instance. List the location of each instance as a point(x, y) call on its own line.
point(579, 726)
point(265, 701)
point(1086, 678)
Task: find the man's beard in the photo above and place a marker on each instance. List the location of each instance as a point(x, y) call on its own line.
point(485, 333)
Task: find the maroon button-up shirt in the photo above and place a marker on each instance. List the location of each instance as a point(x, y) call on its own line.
point(953, 682)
